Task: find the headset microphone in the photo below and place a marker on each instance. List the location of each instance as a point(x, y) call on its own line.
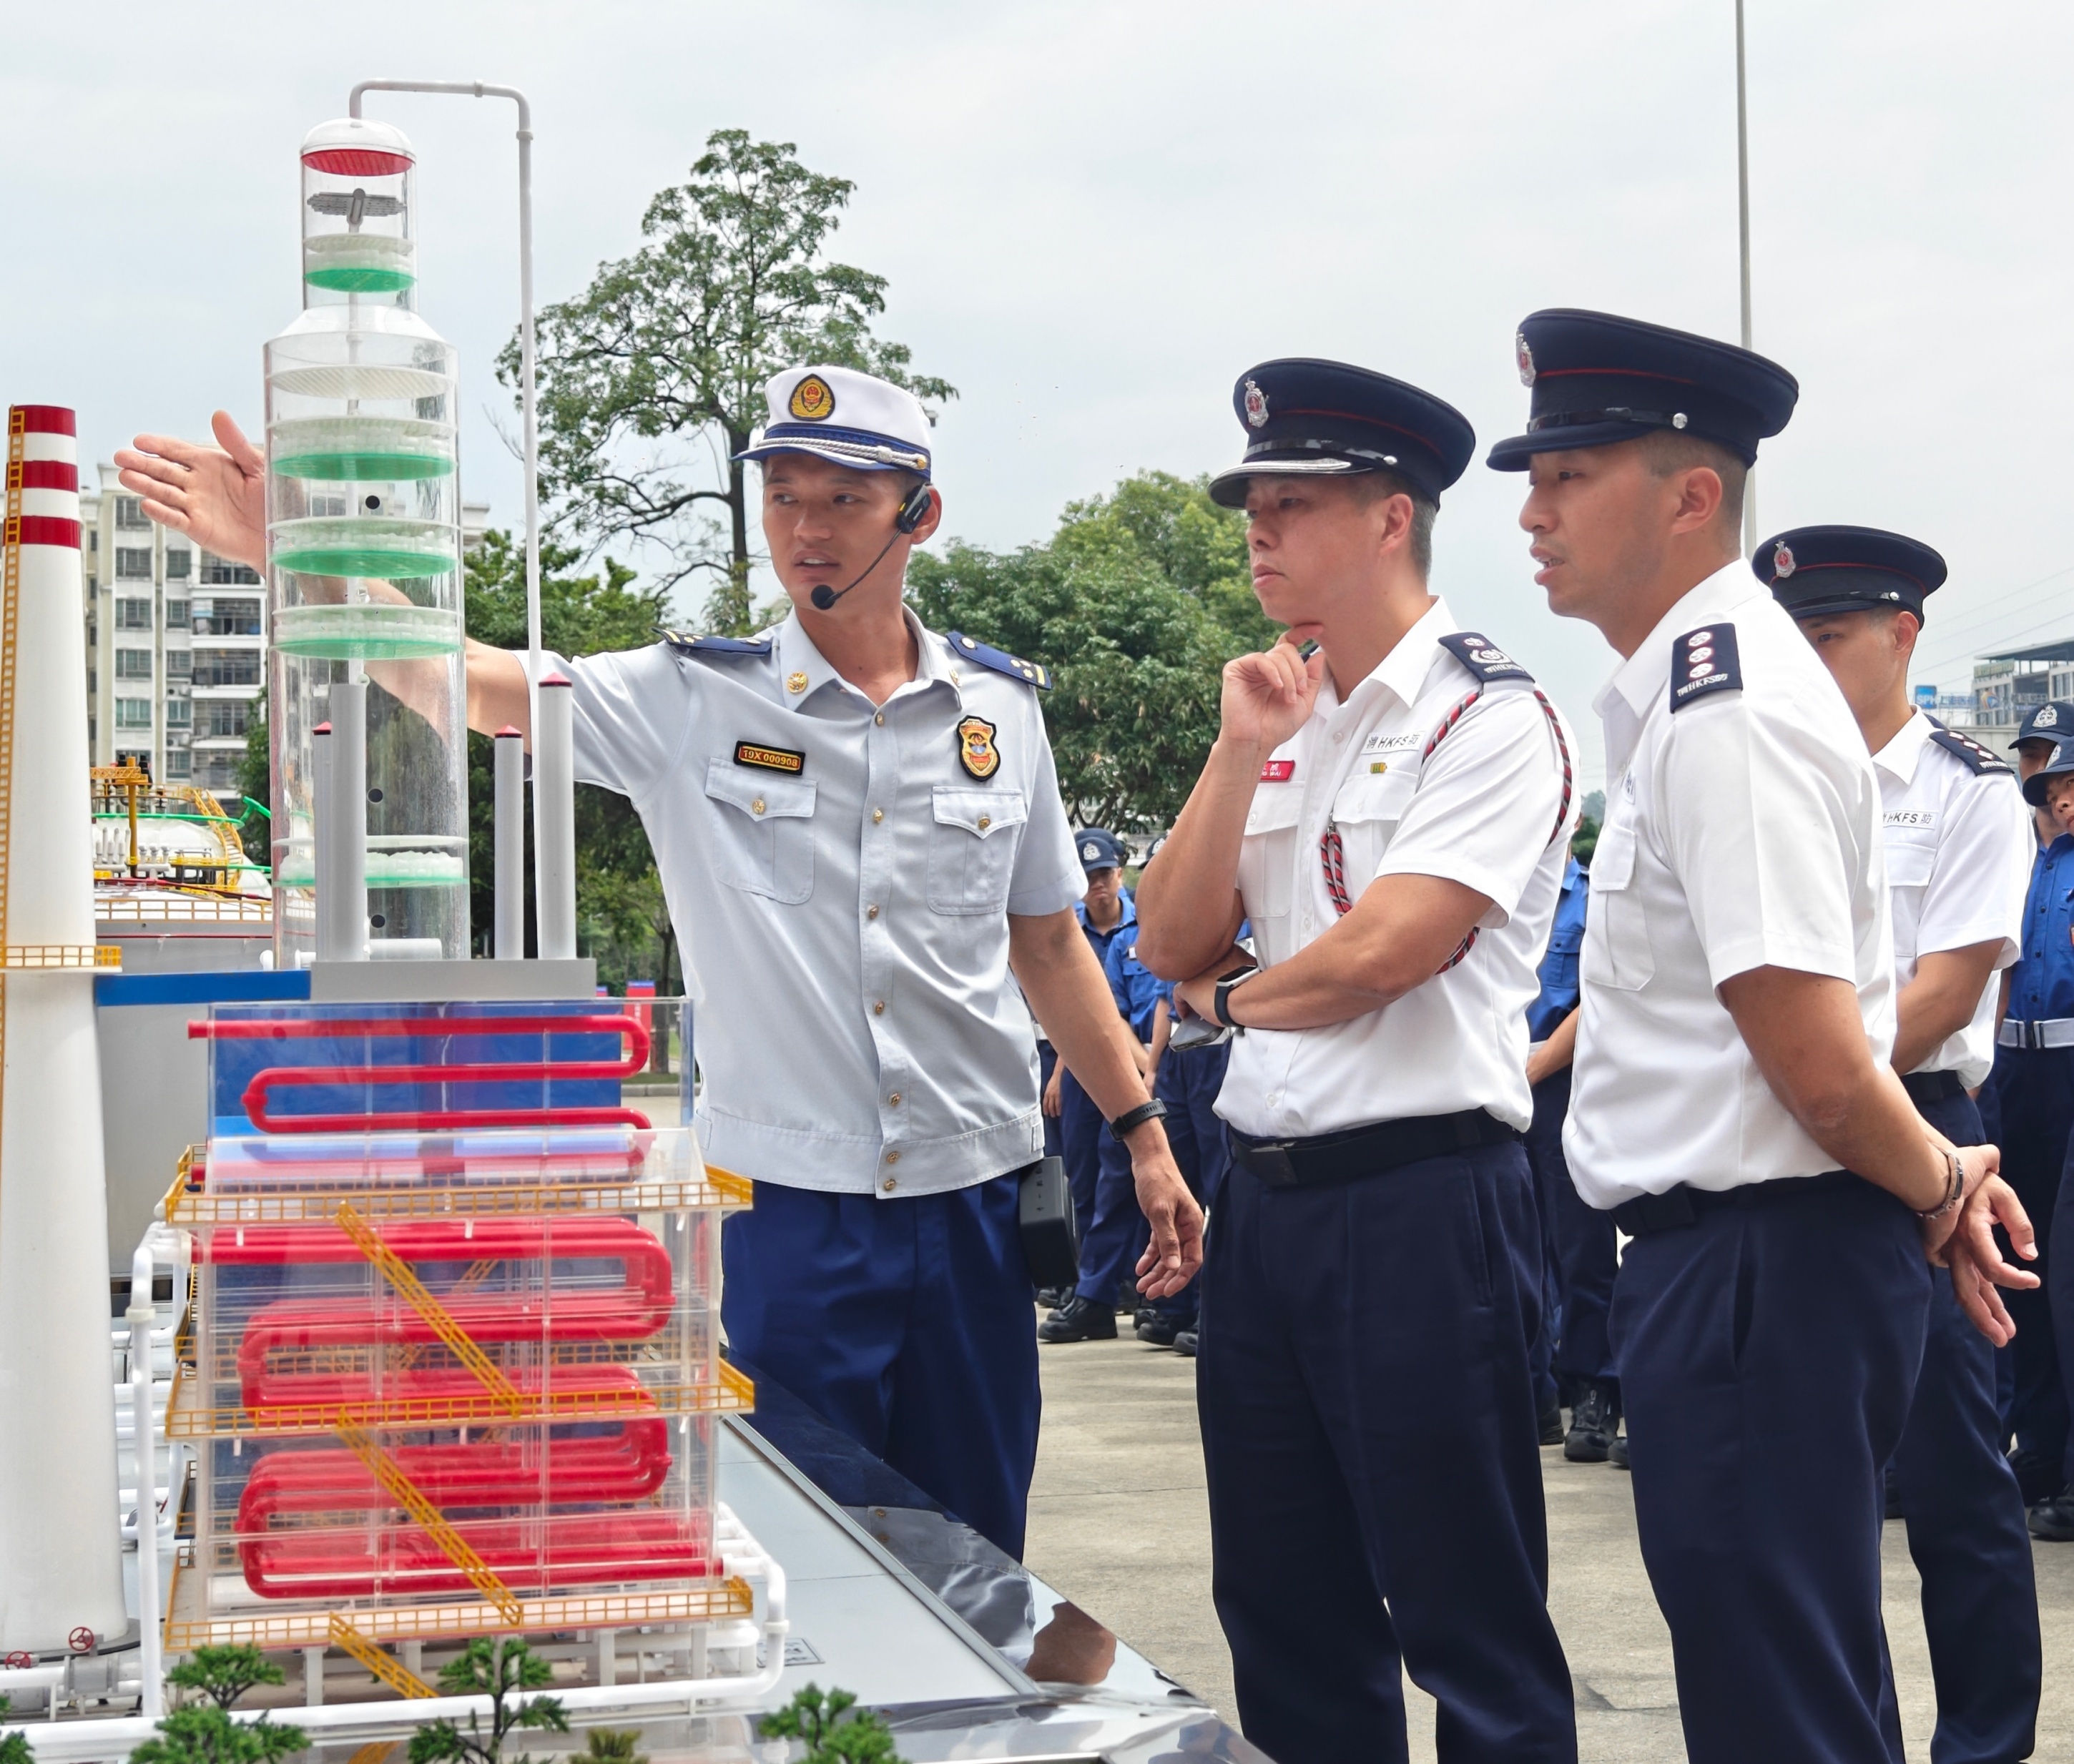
point(910, 517)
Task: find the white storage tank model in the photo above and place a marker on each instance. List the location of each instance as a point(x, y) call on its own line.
point(365, 573)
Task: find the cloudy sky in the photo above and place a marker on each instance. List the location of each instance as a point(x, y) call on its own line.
point(1093, 218)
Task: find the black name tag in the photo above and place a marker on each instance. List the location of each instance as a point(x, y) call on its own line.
point(771, 759)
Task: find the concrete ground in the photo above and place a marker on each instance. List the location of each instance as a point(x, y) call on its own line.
point(1119, 1522)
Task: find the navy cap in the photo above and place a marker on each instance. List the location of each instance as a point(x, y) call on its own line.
point(1100, 849)
point(1597, 379)
point(2052, 721)
point(2061, 763)
point(1326, 420)
point(1813, 570)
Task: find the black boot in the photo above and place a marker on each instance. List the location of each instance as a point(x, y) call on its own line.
point(1154, 1326)
point(1594, 1422)
point(1079, 1319)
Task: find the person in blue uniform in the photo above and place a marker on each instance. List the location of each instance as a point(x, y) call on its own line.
point(857, 825)
point(2038, 1101)
point(1115, 1232)
point(2028, 1104)
point(1731, 1103)
point(1959, 843)
point(1073, 1124)
point(1391, 810)
point(1579, 1241)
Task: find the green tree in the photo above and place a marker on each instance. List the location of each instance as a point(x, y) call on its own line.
point(15, 1747)
point(255, 784)
point(1135, 603)
point(674, 343)
point(205, 1732)
point(223, 1674)
point(498, 1668)
point(831, 1733)
point(615, 1745)
point(619, 900)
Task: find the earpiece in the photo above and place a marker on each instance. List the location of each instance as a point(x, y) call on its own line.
point(914, 510)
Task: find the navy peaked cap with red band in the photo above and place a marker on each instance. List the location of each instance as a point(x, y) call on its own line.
point(1814, 570)
point(1597, 379)
point(1310, 419)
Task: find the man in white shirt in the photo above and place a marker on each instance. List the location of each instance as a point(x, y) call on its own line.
point(1959, 848)
point(1733, 1103)
point(1393, 814)
point(857, 825)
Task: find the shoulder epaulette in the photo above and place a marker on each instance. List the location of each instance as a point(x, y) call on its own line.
point(1034, 673)
point(1704, 661)
point(1969, 752)
point(716, 646)
point(1483, 658)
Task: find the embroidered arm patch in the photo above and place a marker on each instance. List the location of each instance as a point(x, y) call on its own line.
point(1702, 662)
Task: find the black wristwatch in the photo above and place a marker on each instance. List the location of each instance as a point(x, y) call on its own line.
point(1222, 1005)
point(1130, 1118)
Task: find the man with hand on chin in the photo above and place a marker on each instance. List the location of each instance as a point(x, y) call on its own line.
point(1392, 810)
point(1733, 1105)
point(857, 824)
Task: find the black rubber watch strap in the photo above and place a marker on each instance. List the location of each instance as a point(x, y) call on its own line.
point(1222, 997)
point(1130, 1118)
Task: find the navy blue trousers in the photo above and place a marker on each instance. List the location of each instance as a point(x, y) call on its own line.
point(1768, 1356)
point(1081, 1130)
point(904, 1323)
point(2035, 1090)
point(1188, 1082)
point(1966, 1531)
point(1055, 1137)
point(1116, 1237)
point(1374, 1482)
point(1581, 1241)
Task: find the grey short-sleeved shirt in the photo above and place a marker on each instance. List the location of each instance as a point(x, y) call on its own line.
point(842, 881)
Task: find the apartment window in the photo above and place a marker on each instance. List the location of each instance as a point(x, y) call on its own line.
point(130, 514)
point(226, 618)
point(133, 664)
point(179, 712)
point(180, 763)
point(176, 614)
point(223, 573)
point(180, 565)
point(133, 562)
point(133, 714)
point(226, 667)
point(228, 718)
point(179, 664)
point(133, 615)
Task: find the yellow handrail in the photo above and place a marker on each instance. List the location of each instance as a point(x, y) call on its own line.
point(386, 1667)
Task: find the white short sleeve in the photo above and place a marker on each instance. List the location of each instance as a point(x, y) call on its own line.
point(1758, 820)
point(627, 716)
point(1976, 888)
point(1484, 810)
point(1048, 877)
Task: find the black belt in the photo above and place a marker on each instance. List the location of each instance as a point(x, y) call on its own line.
point(1366, 1152)
point(1928, 1087)
point(1682, 1205)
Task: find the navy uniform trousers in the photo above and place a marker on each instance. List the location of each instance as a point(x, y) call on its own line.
point(1582, 1249)
point(904, 1323)
point(2035, 1092)
point(1768, 1354)
point(1966, 1530)
point(1189, 1082)
point(1374, 1479)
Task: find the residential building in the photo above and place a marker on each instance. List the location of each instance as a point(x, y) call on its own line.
point(2007, 686)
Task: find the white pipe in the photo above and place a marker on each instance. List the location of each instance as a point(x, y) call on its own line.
point(529, 414)
point(142, 1314)
point(554, 818)
point(509, 747)
point(342, 879)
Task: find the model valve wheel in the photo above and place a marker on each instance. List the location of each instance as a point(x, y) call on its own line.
point(82, 1640)
point(18, 1660)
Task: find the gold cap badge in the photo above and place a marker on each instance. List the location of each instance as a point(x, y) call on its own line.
point(813, 400)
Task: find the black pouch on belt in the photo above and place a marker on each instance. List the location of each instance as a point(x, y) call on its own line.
point(1051, 1238)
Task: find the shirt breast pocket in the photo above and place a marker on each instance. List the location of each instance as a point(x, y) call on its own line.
point(763, 831)
point(1617, 951)
point(1366, 811)
point(1912, 853)
point(972, 841)
point(1266, 871)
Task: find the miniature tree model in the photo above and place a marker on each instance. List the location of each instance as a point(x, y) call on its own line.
point(832, 1735)
point(223, 1674)
point(497, 1667)
point(205, 1732)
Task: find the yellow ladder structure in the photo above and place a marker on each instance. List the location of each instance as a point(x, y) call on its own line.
point(408, 1496)
point(385, 1665)
point(472, 1277)
point(398, 1273)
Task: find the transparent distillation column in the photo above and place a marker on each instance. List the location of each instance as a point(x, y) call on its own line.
point(363, 556)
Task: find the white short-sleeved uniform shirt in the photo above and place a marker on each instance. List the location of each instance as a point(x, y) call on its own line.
point(1742, 831)
point(841, 878)
point(1483, 810)
point(1958, 852)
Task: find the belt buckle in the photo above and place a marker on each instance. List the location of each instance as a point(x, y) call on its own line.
point(1269, 1160)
